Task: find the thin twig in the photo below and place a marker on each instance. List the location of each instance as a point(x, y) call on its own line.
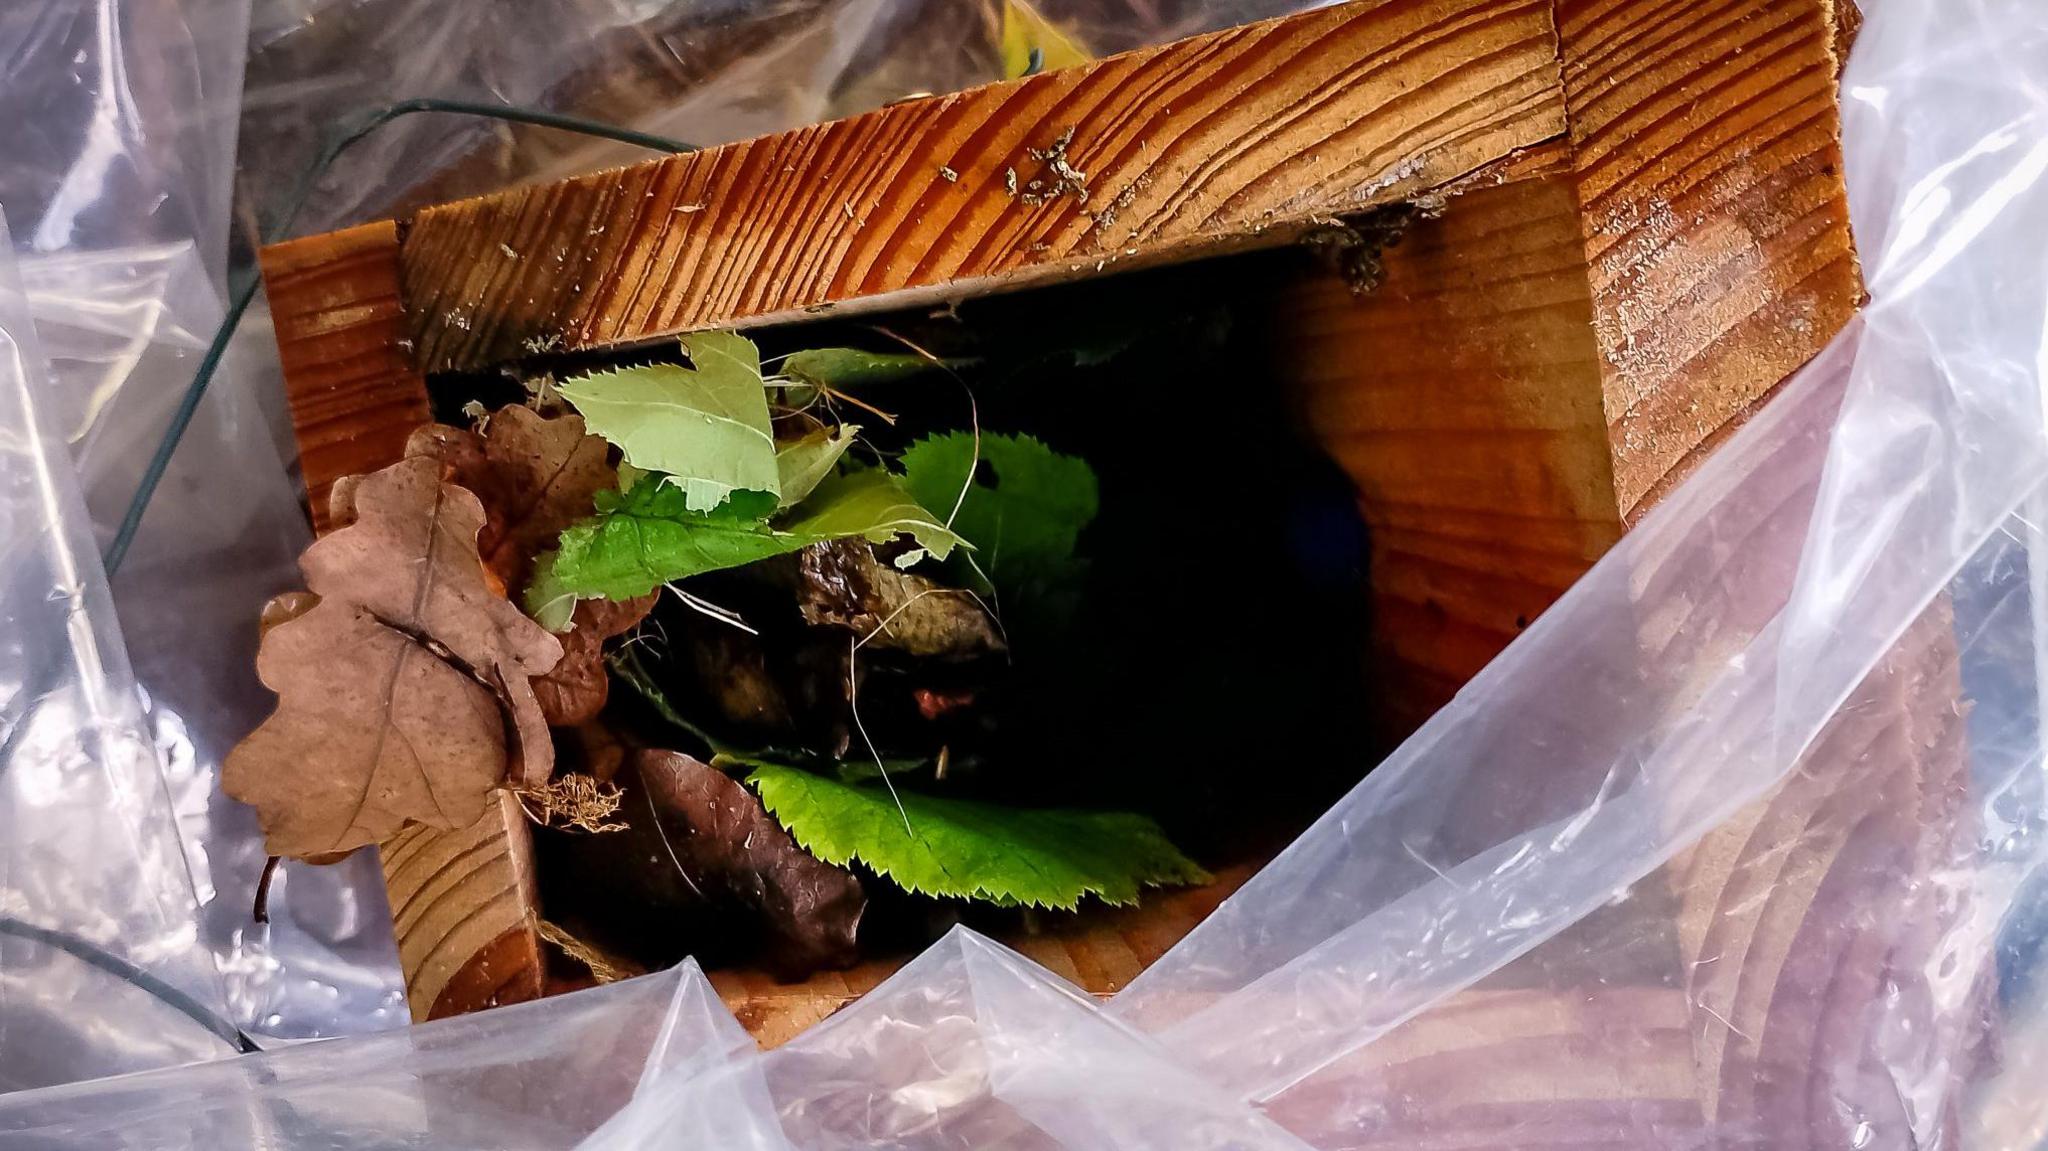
point(262, 909)
point(973, 416)
point(831, 393)
point(853, 703)
point(723, 615)
point(665, 844)
point(627, 664)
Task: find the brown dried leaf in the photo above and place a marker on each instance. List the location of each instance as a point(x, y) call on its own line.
point(535, 476)
point(841, 584)
point(576, 691)
point(724, 842)
point(341, 502)
point(410, 558)
point(371, 731)
point(283, 609)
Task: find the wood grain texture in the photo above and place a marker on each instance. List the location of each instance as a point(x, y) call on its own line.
point(1781, 953)
point(1209, 144)
point(1463, 399)
point(463, 907)
point(1707, 145)
point(342, 338)
point(1100, 952)
point(462, 902)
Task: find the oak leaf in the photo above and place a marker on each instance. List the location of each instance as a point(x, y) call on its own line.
point(410, 559)
point(372, 731)
point(535, 476)
point(576, 691)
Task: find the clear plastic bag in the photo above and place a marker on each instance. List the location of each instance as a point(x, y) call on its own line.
point(536, 1075)
point(1740, 845)
point(91, 856)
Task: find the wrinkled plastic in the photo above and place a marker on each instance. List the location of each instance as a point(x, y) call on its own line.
point(118, 127)
point(700, 71)
point(91, 851)
point(537, 1075)
point(1740, 845)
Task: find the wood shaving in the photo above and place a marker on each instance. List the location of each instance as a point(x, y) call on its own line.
point(602, 967)
point(576, 802)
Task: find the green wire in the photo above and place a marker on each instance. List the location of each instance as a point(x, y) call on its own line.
point(245, 294)
point(181, 421)
point(123, 970)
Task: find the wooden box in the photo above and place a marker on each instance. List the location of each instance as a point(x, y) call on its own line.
point(1574, 241)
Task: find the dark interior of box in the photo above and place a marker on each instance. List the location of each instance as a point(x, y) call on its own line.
point(1212, 672)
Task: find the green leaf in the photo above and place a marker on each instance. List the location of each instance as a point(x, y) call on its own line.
point(803, 463)
point(873, 504)
point(648, 537)
point(1025, 525)
point(962, 849)
point(706, 426)
point(844, 368)
point(547, 602)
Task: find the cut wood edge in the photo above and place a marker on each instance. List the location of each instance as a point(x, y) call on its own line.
point(463, 910)
point(1100, 951)
point(342, 341)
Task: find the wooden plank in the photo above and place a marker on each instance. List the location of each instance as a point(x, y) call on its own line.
point(462, 902)
point(1462, 396)
point(463, 906)
point(1210, 144)
point(1586, 322)
point(1706, 141)
point(1502, 399)
point(342, 338)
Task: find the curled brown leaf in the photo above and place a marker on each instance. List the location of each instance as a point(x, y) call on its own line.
point(576, 691)
point(535, 475)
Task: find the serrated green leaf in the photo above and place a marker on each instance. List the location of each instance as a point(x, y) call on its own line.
point(1024, 527)
point(963, 849)
point(802, 464)
point(705, 426)
point(648, 537)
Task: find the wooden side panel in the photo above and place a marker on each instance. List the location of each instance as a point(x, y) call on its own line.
point(1214, 143)
point(1463, 398)
point(341, 334)
point(462, 905)
point(1707, 146)
point(463, 902)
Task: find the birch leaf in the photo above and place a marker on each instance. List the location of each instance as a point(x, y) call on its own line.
point(705, 426)
point(802, 464)
point(962, 849)
point(648, 537)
